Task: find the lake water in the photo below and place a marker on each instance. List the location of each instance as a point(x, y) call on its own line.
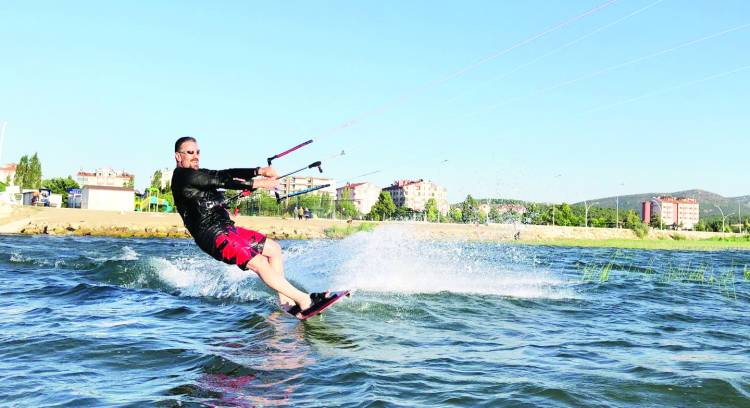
point(154, 322)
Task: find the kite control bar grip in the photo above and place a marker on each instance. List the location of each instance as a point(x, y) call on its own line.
point(284, 153)
point(312, 165)
point(305, 191)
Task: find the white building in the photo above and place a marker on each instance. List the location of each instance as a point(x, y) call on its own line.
point(8, 173)
point(166, 177)
point(414, 194)
point(363, 195)
point(294, 184)
point(105, 177)
point(108, 198)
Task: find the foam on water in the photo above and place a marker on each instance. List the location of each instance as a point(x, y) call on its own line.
point(203, 276)
point(393, 260)
point(128, 254)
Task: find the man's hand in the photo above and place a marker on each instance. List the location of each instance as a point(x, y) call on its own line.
point(269, 172)
point(265, 183)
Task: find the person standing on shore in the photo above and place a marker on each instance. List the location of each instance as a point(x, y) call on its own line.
point(203, 212)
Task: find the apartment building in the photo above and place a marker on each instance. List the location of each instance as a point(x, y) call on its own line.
point(414, 194)
point(674, 212)
point(105, 177)
point(293, 184)
point(363, 195)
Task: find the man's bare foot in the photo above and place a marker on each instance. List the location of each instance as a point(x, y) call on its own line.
point(285, 301)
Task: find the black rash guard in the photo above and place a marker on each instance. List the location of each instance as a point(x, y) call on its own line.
point(201, 206)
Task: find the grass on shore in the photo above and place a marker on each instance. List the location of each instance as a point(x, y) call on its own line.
point(713, 244)
point(343, 232)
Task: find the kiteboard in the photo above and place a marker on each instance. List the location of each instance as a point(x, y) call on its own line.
point(320, 305)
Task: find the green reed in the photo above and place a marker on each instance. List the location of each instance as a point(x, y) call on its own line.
point(700, 274)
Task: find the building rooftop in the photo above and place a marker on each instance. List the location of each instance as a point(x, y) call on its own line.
point(352, 185)
point(677, 200)
point(90, 187)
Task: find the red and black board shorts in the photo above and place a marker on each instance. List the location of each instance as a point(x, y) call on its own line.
point(238, 246)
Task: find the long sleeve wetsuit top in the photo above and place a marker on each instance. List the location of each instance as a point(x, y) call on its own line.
point(200, 204)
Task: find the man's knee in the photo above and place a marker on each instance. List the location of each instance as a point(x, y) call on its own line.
point(271, 248)
point(257, 264)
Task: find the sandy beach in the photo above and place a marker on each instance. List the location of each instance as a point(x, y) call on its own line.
point(61, 221)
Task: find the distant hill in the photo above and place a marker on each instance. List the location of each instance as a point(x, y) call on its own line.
point(706, 200)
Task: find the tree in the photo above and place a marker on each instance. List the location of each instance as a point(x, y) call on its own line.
point(21, 170)
point(131, 182)
point(631, 219)
point(655, 221)
point(59, 185)
point(564, 215)
point(383, 208)
point(482, 217)
point(29, 172)
point(469, 210)
point(431, 210)
point(494, 215)
point(345, 205)
point(455, 215)
point(156, 180)
point(402, 213)
point(35, 172)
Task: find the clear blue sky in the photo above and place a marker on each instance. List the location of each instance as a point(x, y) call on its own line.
point(586, 111)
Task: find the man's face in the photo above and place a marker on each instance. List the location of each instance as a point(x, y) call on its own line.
point(188, 155)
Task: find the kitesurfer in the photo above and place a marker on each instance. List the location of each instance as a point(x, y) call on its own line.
point(203, 212)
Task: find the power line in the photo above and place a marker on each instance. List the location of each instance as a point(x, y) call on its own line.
point(609, 69)
point(463, 71)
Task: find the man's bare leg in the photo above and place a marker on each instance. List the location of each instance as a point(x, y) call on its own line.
point(271, 272)
point(272, 251)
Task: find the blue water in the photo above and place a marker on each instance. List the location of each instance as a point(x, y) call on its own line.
point(154, 322)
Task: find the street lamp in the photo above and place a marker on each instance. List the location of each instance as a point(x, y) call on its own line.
point(661, 220)
point(739, 214)
point(617, 211)
point(723, 218)
point(554, 205)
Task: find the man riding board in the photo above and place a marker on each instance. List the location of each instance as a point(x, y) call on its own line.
point(202, 210)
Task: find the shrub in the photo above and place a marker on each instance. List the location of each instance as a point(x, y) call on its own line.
point(640, 229)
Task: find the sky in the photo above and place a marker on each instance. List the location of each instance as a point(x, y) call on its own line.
point(541, 100)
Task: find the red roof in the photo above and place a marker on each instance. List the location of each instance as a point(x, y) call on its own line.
point(680, 200)
point(351, 185)
point(9, 167)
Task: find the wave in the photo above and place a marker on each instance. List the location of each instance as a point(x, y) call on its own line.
point(392, 260)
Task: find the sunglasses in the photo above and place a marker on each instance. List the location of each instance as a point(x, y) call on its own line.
point(190, 152)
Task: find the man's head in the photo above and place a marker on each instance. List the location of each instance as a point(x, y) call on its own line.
point(187, 153)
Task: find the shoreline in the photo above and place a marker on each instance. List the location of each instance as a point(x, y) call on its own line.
point(68, 221)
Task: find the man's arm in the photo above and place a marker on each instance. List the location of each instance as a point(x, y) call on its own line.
point(235, 179)
point(204, 179)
